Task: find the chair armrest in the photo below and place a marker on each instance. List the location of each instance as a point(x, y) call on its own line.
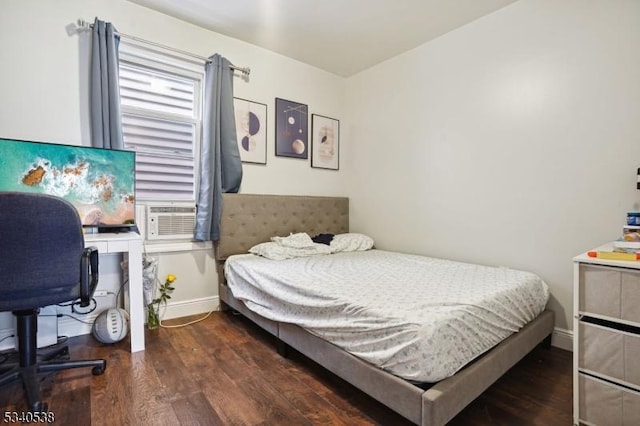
point(88, 275)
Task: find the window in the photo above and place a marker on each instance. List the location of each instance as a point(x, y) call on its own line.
point(161, 103)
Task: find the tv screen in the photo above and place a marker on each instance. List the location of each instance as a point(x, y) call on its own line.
point(100, 183)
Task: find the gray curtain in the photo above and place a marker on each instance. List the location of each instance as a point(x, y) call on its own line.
point(104, 92)
point(220, 164)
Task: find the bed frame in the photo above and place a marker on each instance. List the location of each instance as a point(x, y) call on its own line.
point(251, 219)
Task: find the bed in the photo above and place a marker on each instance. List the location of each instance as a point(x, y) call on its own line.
point(248, 220)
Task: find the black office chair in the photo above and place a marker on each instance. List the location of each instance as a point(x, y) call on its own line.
point(43, 262)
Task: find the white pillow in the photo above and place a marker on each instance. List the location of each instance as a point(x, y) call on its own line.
point(299, 240)
point(276, 251)
point(350, 242)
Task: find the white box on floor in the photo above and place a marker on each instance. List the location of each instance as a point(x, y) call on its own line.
point(47, 327)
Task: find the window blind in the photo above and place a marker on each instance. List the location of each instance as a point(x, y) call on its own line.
point(161, 123)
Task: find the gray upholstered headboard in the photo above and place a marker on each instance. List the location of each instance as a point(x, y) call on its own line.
point(250, 219)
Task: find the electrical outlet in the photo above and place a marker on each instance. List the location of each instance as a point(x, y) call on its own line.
point(101, 293)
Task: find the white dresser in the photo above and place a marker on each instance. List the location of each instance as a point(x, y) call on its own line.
point(606, 344)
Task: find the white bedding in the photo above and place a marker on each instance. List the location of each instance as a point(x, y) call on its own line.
point(419, 318)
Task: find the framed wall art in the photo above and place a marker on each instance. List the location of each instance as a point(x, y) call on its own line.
point(325, 142)
point(251, 129)
point(291, 129)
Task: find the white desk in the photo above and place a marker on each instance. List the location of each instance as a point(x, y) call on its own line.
point(131, 244)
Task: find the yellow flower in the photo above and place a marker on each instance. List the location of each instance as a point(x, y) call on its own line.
point(171, 278)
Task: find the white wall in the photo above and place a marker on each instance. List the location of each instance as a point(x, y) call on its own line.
point(511, 141)
point(44, 98)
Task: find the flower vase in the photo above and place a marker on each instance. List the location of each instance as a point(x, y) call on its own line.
point(153, 316)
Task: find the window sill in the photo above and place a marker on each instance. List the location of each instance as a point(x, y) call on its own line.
point(176, 246)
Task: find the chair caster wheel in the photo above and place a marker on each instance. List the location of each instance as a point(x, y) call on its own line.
point(39, 407)
point(96, 371)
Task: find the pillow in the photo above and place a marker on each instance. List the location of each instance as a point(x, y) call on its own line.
point(276, 251)
point(299, 240)
point(350, 242)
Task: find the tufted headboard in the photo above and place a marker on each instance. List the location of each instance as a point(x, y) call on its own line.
point(250, 219)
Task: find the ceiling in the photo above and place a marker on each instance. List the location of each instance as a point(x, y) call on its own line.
point(343, 37)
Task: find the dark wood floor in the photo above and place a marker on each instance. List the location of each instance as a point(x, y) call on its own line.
point(225, 370)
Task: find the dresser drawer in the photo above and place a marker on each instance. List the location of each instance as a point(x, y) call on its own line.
point(610, 352)
point(611, 292)
point(605, 404)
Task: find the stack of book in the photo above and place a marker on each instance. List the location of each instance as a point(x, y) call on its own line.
point(630, 240)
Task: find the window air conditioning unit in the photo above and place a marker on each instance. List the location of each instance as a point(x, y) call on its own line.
point(170, 222)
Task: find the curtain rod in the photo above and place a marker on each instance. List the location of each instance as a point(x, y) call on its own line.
point(88, 25)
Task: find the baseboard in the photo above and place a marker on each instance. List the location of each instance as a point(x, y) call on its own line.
point(190, 307)
point(70, 327)
point(562, 339)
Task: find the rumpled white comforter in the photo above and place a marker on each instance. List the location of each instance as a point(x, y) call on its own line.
point(419, 318)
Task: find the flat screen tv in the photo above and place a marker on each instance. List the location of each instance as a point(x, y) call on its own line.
point(100, 183)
